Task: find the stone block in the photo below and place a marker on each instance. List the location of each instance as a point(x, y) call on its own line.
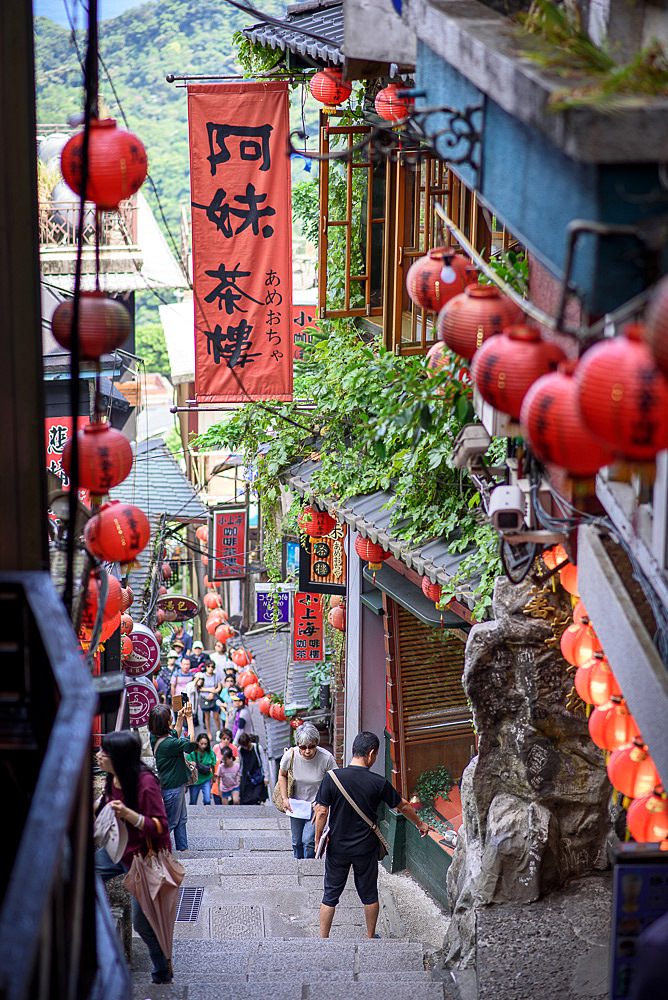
point(259, 883)
point(390, 956)
point(235, 922)
point(220, 842)
point(255, 823)
point(201, 871)
point(270, 841)
point(271, 863)
point(382, 990)
point(276, 956)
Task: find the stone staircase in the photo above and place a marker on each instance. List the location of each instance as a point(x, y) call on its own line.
point(255, 935)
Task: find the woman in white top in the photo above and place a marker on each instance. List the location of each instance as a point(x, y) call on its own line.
point(310, 763)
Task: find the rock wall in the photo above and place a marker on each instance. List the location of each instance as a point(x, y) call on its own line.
point(535, 799)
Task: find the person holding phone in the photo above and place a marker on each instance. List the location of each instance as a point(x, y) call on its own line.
point(169, 752)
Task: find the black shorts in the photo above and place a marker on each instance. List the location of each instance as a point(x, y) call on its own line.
point(365, 872)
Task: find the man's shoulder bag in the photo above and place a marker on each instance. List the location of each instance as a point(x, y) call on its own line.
point(383, 846)
point(276, 795)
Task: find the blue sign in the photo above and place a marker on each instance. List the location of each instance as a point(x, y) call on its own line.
point(273, 607)
point(292, 559)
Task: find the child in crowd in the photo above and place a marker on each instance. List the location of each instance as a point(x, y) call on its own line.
point(228, 777)
point(205, 760)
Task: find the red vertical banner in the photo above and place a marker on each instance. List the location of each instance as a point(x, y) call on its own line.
point(227, 559)
point(56, 432)
point(302, 319)
point(242, 241)
point(308, 638)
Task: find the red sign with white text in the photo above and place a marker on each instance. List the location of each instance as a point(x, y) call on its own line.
point(242, 241)
point(308, 641)
point(302, 319)
point(56, 432)
point(228, 547)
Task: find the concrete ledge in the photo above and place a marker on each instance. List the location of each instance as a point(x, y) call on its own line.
point(483, 47)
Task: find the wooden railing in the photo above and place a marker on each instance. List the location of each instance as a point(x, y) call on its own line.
point(57, 939)
point(58, 225)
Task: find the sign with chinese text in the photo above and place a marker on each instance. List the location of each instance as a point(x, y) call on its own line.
point(272, 606)
point(177, 608)
point(227, 558)
point(56, 432)
point(322, 565)
point(302, 319)
point(307, 637)
point(242, 241)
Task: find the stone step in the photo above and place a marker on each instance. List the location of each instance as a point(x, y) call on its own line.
point(257, 812)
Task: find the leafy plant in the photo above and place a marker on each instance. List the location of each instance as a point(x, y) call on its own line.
point(432, 783)
point(319, 675)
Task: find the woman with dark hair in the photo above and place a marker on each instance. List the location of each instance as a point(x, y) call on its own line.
point(253, 786)
point(205, 761)
point(133, 791)
point(168, 750)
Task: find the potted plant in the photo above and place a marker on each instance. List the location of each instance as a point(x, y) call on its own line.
point(432, 783)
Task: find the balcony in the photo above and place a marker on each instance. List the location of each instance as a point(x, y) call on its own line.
point(119, 250)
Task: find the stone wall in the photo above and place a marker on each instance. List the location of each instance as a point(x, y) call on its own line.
point(535, 799)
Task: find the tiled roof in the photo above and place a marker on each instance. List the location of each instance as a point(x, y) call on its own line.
point(271, 650)
point(324, 20)
point(158, 486)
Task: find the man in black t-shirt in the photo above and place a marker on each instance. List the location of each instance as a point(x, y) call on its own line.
point(351, 840)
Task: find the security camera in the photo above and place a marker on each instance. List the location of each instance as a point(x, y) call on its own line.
point(507, 509)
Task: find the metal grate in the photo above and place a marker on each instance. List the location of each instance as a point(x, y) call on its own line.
point(190, 902)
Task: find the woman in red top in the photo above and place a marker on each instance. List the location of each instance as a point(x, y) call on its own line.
point(134, 793)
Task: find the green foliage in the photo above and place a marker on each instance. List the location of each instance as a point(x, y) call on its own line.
point(318, 675)
point(150, 345)
point(512, 266)
point(430, 784)
point(255, 59)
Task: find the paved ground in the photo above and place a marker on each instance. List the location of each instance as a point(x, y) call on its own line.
point(256, 934)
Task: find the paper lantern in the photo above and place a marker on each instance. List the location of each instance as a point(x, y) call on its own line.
point(568, 577)
point(315, 523)
point(127, 624)
point(109, 627)
point(567, 643)
point(632, 771)
point(264, 704)
point(202, 533)
point(223, 633)
point(480, 312)
point(436, 278)
point(166, 571)
point(596, 683)
point(104, 325)
point(554, 428)
point(647, 817)
point(389, 106)
point(505, 367)
point(105, 458)
point(328, 87)
point(126, 647)
point(112, 604)
point(337, 618)
point(246, 677)
point(213, 601)
point(587, 645)
point(612, 726)
point(336, 600)
point(623, 397)
point(554, 556)
point(118, 532)
point(253, 692)
point(241, 657)
point(117, 163)
point(374, 554)
point(432, 591)
point(127, 597)
point(277, 712)
point(580, 616)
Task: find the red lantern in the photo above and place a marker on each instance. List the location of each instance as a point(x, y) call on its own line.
point(117, 164)
point(623, 396)
point(432, 591)
point(126, 647)
point(568, 577)
point(595, 683)
point(436, 278)
point(212, 623)
point(374, 554)
point(479, 313)
point(127, 624)
point(611, 726)
point(202, 533)
point(246, 677)
point(162, 590)
point(328, 87)
point(264, 704)
point(253, 692)
point(118, 532)
point(127, 597)
point(632, 771)
point(166, 571)
point(112, 604)
point(389, 106)
point(337, 618)
point(223, 633)
point(567, 643)
point(104, 325)
point(160, 617)
point(296, 723)
point(277, 712)
point(105, 458)
point(315, 523)
point(656, 331)
point(580, 616)
point(335, 601)
point(579, 643)
point(241, 657)
point(108, 629)
point(213, 601)
point(647, 817)
point(505, 367)
point(554, 556)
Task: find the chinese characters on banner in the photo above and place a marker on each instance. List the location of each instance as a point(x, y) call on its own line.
point(242, 241)
point(228, 547)
point(56, 432)
point(322, 566)
point(302, 318)
point(308, 643)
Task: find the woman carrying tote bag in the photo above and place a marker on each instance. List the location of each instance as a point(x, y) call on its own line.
point(308, 763)
point(253, 786)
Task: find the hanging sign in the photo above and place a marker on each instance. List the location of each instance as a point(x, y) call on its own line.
point(56, 432)
point(227, 556)
point(322, 565)
point(272, 606)
point(302, 320)
point(142, 697)
point(242, 241)
point(177, 608)
point(145, 655)
point(307, 642)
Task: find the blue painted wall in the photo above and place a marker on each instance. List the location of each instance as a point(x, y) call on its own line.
point(536, 190)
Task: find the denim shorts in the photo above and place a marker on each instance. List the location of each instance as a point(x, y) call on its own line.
point(227, 792)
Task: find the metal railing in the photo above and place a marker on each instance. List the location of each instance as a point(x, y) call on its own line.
point(59, 223)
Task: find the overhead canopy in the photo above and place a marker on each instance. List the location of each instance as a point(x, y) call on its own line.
point(411, 597)
point(323, 19)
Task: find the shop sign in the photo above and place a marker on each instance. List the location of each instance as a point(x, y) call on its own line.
point(308, 639)
point(177, 608)
point(227, 557)
point(322, 564)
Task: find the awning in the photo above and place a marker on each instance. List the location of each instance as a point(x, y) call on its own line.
point(324, 20)
point(412, 599)
point(370, 515)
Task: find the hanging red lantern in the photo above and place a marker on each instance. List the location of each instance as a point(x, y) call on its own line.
point(623, 397)
point(166, 570)
point(315, 523)
point(241, 657)
point(373, 554)
point(126, 647)
point(277, 712)
point(554, 556)
point(567, 643)
point(505, 367)
point(480, 312)
point(647, 817)
point(105, 458)
point(580, 616)
point(337, 618)
point(632, 771)
point(432, 591)
point(595, 682)
point(247, 677)
point(213, 601)
point(656, 330)
point(117, 164)
point(441, 359)
point(264, 704)
point(118, 532)
point(554, 429)
point(127, 624)
point(579, 644)
point(127, 597)
point(160, 617)
point(109, 627)
point(611, 726)
point(112, 604)
point(389, 106)
point(205, 560)
point(336, 600)
point(435, 279)
point(329, 87)
point(214, 620)
point(162, 590)
point(568, 577)
point(253, 692)
point(202, 533)
point(104, 325)
point(223, 633)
